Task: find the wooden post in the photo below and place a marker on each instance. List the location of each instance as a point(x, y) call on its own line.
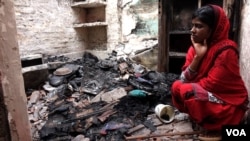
point(14, 100)
point(163, 53)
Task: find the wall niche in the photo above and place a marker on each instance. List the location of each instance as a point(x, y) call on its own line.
point(90, 23)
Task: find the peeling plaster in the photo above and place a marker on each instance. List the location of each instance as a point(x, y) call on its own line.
point(140, 18)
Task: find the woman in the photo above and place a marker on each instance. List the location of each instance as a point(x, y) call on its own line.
point(210, 88)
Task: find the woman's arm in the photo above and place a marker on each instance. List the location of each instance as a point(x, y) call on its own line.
point(200, 51)
point(224, 73)
point(193, 60)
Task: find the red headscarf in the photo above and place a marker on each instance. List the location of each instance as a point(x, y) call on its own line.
point(216, 74)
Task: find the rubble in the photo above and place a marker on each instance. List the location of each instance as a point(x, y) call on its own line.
point(88, 99)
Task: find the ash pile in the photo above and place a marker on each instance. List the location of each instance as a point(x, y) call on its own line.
point(95, 99)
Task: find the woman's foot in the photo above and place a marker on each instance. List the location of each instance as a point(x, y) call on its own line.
point(210, 136)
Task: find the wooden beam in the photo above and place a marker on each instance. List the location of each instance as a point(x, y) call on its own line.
point(140, 137)
point(12, 85)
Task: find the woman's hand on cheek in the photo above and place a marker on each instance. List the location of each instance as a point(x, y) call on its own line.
point(200, 48)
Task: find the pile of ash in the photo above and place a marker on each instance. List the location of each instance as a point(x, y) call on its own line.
point(96, 99)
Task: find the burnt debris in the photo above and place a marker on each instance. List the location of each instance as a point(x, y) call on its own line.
point(88, 97)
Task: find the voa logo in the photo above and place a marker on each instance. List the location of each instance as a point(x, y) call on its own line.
point(236, 132)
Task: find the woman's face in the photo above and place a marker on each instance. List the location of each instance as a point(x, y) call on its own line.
point(200, 31)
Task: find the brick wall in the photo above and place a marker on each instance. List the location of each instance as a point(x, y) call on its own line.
point(45, 27)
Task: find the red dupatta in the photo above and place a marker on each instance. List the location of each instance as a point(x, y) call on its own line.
point(216, 74)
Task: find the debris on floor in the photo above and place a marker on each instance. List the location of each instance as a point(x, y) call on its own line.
point(102, 100)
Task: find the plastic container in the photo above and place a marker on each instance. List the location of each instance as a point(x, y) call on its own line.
point(165, 113)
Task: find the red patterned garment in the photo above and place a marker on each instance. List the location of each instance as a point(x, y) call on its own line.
point(215, 95)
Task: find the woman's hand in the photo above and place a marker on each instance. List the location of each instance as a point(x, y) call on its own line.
point(200, 48)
